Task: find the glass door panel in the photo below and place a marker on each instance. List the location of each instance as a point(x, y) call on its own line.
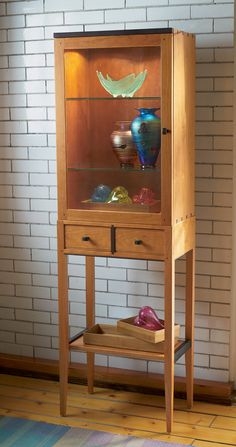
point(91, 117)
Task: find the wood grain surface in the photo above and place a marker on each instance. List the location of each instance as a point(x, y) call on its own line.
point(129, 413)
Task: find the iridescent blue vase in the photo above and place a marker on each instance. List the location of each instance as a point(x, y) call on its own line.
point(146, 133)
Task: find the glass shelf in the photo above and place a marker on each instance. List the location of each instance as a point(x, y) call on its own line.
point(121, 170)
point(107, 98)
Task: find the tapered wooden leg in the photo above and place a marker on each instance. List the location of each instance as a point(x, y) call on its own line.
point(63, 318)
point(189, 323)
point(90, 371)
point(90, 314)
point(169, 340)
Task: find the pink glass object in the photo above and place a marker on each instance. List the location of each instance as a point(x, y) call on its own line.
point(144, 197)
point(148, 319)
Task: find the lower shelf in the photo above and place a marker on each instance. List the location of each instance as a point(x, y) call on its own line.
point(181, 346)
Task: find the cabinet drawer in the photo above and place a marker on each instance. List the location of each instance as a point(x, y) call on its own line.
point(140, 242)
point(86, 238)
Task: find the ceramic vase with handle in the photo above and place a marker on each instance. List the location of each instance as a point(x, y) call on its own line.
point(146, 133)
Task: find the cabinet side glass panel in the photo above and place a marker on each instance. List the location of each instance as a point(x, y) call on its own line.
point(92, 116)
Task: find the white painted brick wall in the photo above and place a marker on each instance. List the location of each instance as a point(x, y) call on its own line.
point(28, 261)
point(25, 7)
point(62, 5)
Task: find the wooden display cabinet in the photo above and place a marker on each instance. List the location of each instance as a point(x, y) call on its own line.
point(86, 115)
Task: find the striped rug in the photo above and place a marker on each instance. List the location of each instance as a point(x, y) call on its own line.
point(16, 432)
point(25, 433)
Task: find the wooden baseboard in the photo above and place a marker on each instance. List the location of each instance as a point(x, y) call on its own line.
point(210, 391)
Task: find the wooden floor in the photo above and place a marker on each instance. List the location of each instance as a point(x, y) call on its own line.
point(142, 415)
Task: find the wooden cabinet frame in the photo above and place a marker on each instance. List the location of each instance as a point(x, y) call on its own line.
point(171, 231)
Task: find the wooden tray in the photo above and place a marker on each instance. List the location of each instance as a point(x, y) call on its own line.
point(108, 335)
point(127, 327)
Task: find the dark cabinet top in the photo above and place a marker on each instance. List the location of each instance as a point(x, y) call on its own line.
point(116, 32)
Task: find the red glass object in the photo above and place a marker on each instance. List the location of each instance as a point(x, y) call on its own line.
point(144, 197)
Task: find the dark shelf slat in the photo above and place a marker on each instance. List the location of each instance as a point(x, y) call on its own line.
point(182, 349)
point(78, 335)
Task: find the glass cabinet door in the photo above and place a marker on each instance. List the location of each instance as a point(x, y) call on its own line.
point(113, 132)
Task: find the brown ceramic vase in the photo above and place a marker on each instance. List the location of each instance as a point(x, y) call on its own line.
point(122, 144)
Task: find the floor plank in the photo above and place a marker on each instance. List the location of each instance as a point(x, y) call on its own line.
point(205, 425)
point(126, 396)
point(210, 444)
point(225, 423)
point(121, 420)
point(111, 406)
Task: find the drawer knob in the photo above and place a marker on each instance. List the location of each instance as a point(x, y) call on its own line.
point(138, 242)
point(85, 238)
